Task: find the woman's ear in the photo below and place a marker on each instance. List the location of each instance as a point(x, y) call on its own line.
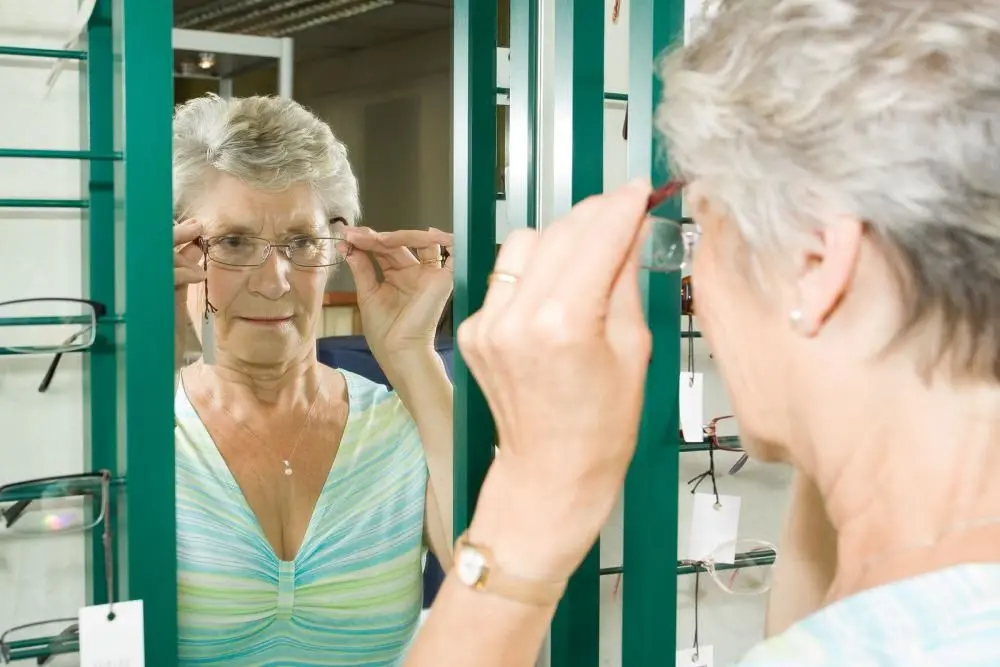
point(826, 266)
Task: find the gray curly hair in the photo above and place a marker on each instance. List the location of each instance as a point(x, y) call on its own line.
point(267, 142)
point(888, 111)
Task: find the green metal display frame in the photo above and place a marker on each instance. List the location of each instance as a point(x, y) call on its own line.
point(127, 101)
point(651, 488)
point(578, 150)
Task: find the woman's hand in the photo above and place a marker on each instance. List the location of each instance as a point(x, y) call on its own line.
point(187, 271)
point(400, 314)
point(560, 349)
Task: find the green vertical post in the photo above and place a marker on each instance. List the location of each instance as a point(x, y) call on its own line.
point(144, 273)
point(649, 595)
point(100, 366)
point(578, 83)
point(522, 190)
point(475, 156)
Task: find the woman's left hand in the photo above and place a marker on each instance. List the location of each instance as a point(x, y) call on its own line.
point(400, 314)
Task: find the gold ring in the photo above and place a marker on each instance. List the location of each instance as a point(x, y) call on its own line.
point(438, 260)
point(501, 277)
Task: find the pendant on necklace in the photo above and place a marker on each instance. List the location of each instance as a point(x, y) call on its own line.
point(288, 468)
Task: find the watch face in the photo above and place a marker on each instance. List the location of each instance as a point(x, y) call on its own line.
point(470, 566)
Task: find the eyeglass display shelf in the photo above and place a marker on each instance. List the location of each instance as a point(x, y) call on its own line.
point(57, 154)
point(49, 320)
point(34, 492)
point(31, 52)
point(44, 203)
point(727, 441)
point(746, 559)
point(41, 648)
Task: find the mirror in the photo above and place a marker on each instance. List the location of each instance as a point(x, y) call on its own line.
point(313, 407)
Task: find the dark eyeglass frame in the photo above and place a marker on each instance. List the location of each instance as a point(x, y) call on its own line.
point(65, 639)
point(206, 244)
point(661, 194)
point(100, 310)
point(12, 513)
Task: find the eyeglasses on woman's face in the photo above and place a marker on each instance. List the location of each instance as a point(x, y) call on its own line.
point(303, 250)
point(670, 243)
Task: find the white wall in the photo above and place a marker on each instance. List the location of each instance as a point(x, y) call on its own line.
point(351, 91)
point(41, 433)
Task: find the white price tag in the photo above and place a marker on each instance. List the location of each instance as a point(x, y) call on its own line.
point(712, 525)
point(692, 406)
point(702, 657)
point(115, 642)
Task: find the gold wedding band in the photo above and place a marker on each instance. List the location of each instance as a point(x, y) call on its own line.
point(501, 277)
point(438, 260)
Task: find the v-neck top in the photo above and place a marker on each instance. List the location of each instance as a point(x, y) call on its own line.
point(351, 596)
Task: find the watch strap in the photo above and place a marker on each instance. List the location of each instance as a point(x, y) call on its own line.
point(504, 584)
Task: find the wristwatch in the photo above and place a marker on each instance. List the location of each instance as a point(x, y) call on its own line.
point(477, 569)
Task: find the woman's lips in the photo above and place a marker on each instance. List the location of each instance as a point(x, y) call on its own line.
point(267, 320)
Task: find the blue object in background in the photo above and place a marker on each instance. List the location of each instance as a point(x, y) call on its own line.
point(352, 353)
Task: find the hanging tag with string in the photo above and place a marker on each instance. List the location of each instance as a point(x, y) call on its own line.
point(691, 394)
point(697, 655)
point(208, 326)
point(112, 633)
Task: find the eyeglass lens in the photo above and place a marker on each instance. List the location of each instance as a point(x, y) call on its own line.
point(51, 506)
point(668, 244)
point(45, 326)
point(306, 251)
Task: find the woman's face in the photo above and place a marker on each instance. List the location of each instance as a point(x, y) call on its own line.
point(741, 316)
point(266, 315)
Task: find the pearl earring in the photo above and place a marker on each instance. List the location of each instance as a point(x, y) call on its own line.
point(795, 317)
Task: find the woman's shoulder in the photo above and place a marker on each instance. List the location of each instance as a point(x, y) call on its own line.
point(365, 394)
point(914, 621)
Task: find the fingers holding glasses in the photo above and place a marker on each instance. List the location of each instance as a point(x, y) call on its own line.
point(187, 254)
point(583, 254)
point(388, 255)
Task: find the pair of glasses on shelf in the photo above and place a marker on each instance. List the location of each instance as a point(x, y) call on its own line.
point(750, 573)
point(44, 508)
point(49, 326)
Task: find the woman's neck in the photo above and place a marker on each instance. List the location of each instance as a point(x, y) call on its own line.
point(284, 386)
point(908, 480)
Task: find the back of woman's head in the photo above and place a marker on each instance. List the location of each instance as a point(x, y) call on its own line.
point(888, 112)
point(269, 143)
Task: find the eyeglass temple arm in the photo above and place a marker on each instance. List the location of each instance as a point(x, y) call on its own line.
point(51, 372)
point(72, 633)
point(14, 512)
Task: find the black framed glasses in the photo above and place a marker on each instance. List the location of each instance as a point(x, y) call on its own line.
point(48, 325)
point(670, 244)
point(50, 506)
point(303, 250)
point(42, 639)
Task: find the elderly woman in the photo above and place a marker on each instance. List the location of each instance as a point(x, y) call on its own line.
point(305, 494)
point(843, 162)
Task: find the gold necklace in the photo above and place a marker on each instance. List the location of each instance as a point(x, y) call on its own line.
point(302, 431)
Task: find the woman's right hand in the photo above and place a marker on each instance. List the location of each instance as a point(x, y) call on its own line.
point(560, 349)
point(187, 271)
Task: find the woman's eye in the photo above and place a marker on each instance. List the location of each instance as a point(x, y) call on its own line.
point(231, 241)
point(302, 242)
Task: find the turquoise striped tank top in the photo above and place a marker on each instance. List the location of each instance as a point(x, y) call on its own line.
point(352, 596)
